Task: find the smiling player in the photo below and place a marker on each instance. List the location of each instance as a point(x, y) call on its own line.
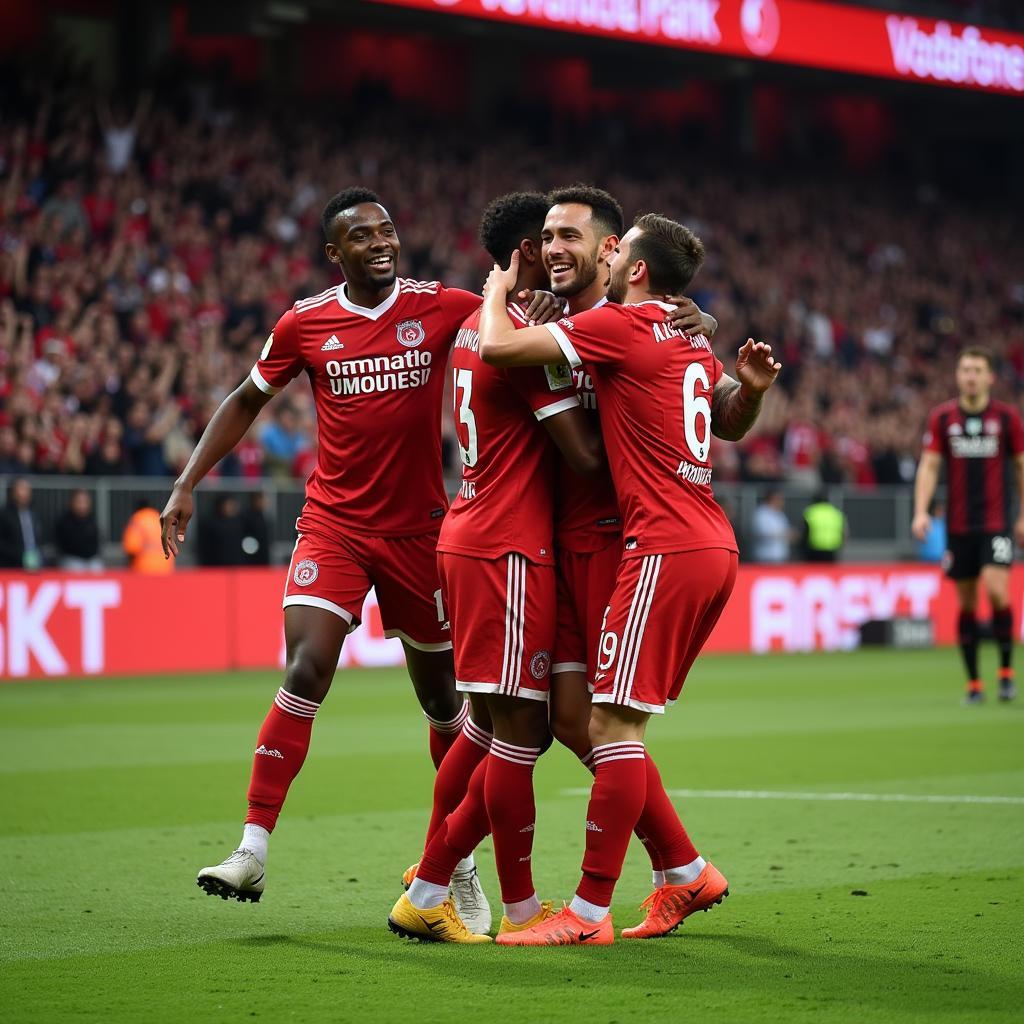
point(660, 394)
point(374, 349)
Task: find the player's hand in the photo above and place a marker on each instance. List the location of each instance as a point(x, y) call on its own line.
point(923, 523)
point(756, 370)
point(688, 318)
point(175, 519)
point(543, 308)
point(503, 281)
point(1018, 531)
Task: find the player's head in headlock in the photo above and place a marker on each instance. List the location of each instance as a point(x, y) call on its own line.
point(515, 221)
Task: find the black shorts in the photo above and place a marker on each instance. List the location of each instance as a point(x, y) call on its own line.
point(968, 553)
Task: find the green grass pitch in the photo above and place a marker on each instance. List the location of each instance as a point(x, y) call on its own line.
point(114, 792)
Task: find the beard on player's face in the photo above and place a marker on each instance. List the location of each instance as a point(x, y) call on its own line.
point(618, 282)
point(573, 281)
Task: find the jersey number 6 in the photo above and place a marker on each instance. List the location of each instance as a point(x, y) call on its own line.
point(696, 407)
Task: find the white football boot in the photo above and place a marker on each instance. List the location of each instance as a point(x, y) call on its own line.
point(240, 877)
point(471, 901)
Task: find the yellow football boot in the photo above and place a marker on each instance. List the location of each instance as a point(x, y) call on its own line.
point(438, 924)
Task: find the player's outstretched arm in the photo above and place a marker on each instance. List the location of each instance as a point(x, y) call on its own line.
point(500, 343)
point(228, 426)
point(577, 440)
point(925, 482)
point(736, 404)
point(689, 318)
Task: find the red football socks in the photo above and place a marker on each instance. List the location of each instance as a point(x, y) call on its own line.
point(616, 802)
point(442, 735)
point(280, 751)
point(458, 835)
point(648, 844)
point(508, 791)
point(452, 782)
point(659, 827)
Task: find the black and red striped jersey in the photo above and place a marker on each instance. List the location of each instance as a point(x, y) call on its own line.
point(978, 449)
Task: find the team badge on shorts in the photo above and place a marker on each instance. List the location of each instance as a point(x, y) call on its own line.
point(540, 664)
point(306, 572)
point(410, 333)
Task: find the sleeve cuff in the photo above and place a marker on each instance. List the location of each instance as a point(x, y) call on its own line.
point(261, 382)
point(565, 345)
point(556, 407)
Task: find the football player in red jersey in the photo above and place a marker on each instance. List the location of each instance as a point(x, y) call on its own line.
point(660, 396)
point(580, 233)
point(981, 441)
point(496, 558)
point(374, 349)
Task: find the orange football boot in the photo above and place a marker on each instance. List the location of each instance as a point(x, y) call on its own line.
point(668, 907)
point(409, 875)
point(562, 929)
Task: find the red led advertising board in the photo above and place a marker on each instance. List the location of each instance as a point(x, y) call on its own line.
point(58, 624)
point(837, 37)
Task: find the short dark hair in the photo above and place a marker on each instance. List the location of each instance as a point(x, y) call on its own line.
point(344, 200)
point(976, 352)
point(604, 207)
point(673, 253)
point(509, 219)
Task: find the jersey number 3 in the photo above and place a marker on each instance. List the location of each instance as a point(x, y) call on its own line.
point(464, 384)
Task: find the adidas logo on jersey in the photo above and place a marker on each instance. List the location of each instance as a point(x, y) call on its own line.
point(331, 344)
point(262, 749)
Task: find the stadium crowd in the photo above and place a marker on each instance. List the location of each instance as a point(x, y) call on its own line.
point(147, 250)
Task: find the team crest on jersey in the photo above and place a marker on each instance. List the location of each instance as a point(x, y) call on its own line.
point(410, 333)
point(559, 376)
point(540, 664)
point(306, 572)
point(991, 426)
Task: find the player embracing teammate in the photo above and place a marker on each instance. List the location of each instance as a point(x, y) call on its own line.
point(658, 395)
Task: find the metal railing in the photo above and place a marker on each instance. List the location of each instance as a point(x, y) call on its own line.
point(879, 518)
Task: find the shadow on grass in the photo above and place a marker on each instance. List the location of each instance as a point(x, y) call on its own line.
point(750, 967)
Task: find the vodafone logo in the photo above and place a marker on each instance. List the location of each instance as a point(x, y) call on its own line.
point(760, 24)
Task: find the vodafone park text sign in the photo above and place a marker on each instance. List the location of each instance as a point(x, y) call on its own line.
point(837, 37)
point(54, 625)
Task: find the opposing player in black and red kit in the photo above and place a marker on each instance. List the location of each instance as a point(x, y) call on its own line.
point(658, 394)
point(374, 349)
point(981, 441)
point(496, 559)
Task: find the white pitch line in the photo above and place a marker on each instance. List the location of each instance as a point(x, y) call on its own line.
point(884, 798)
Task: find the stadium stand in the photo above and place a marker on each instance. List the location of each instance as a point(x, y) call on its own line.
point(146, 251)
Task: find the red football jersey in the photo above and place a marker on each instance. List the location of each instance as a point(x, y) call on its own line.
point(378, 380)
point(654, 389)
point(978, 449)
point(506, 499)
point(586, 508)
